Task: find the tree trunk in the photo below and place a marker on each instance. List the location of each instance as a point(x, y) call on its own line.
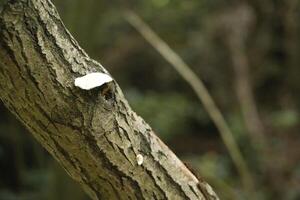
point(93, 134)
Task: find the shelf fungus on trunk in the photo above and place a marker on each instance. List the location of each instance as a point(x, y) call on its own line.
point(92, 80)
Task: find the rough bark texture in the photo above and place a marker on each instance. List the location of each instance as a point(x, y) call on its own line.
point(93, 134)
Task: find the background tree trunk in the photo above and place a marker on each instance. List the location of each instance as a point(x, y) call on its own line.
point(93, 134)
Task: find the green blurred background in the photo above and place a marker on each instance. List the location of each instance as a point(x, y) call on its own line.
point(212, 36)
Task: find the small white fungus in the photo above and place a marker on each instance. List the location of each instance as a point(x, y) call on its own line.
point(92, 80)
point(139, 159)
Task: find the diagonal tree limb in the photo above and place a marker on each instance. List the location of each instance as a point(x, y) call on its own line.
point(93, 134)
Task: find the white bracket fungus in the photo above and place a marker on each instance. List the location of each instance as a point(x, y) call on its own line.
point(139, 159)
point(92, 80)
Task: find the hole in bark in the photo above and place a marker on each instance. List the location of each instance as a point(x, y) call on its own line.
point(107, 91)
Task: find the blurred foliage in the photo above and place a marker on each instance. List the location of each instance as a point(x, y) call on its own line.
point(174, 115)
point(197, 31)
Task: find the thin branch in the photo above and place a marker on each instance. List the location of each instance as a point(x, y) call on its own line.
point(202, 93)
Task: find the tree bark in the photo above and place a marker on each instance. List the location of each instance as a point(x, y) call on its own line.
point(93, 134)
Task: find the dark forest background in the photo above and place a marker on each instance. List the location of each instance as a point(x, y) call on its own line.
point(217, 38)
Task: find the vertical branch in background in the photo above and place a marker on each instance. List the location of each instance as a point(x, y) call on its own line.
point(290, 25)
point(244, 93)
point(238, 23)
point(202, 93)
